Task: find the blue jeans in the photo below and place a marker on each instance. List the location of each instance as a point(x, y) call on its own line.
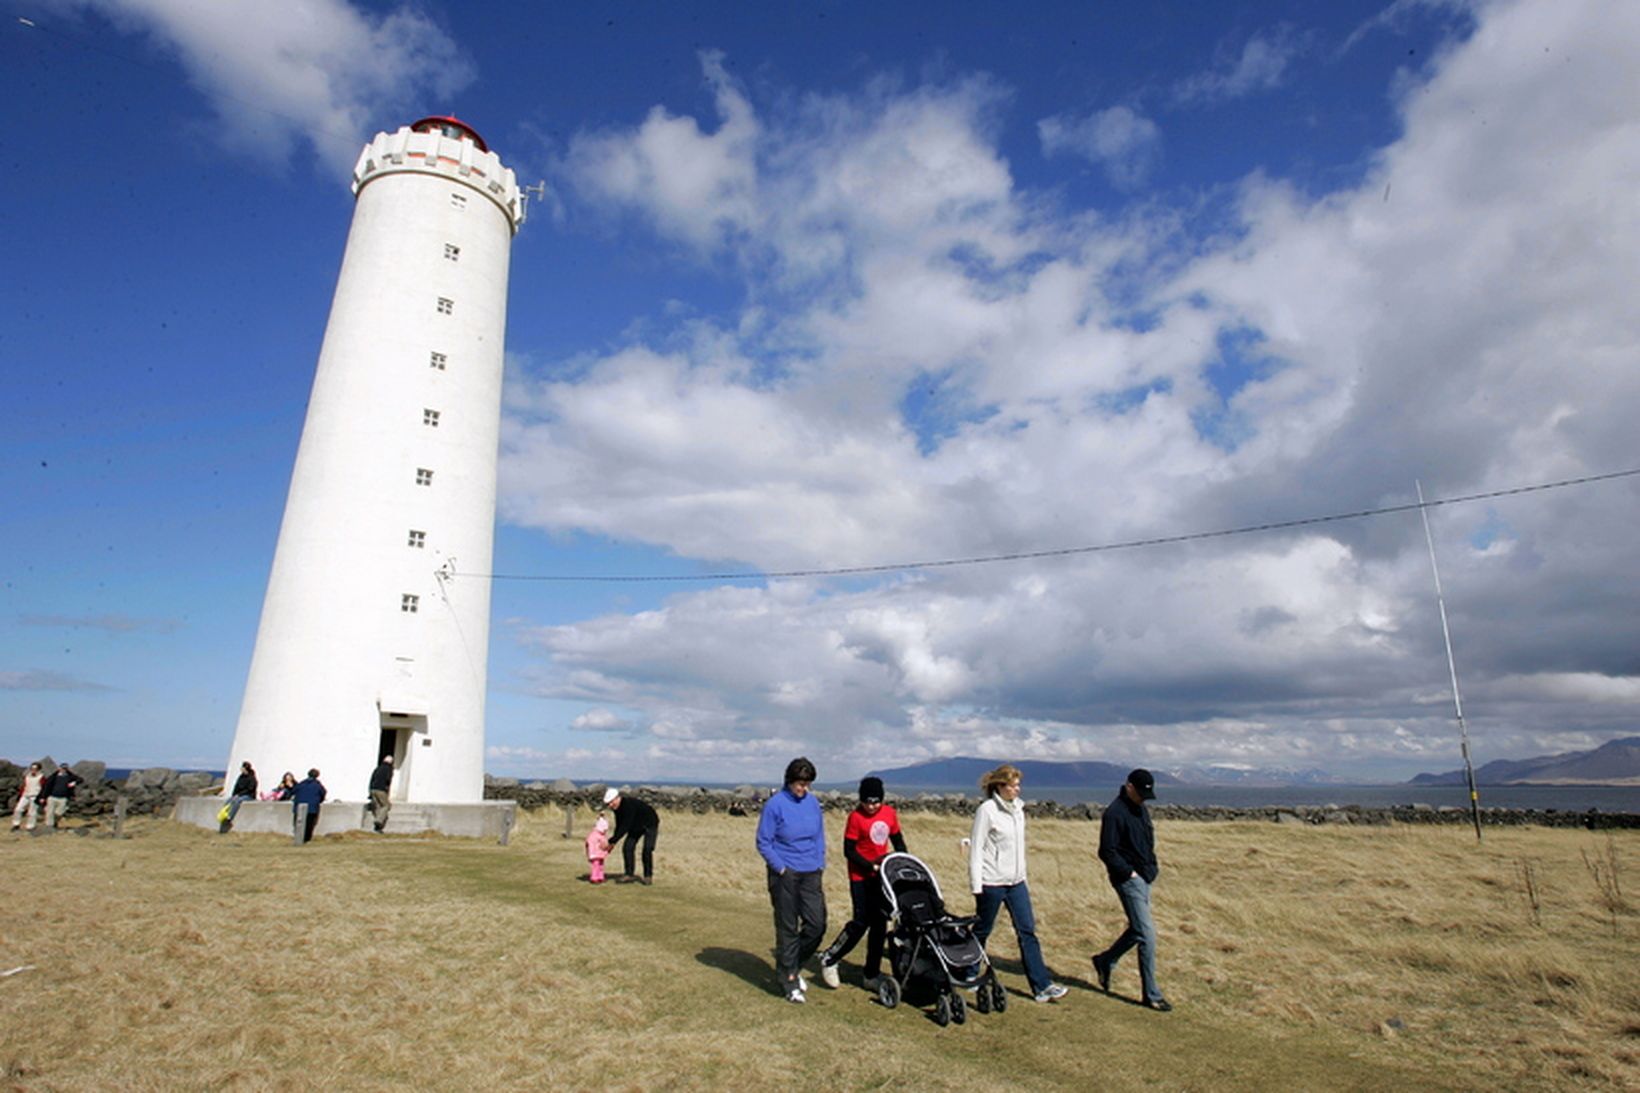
point(1141, 931)
point(1018, 899)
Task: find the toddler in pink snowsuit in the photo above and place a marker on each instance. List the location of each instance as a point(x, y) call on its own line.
point(598, 849)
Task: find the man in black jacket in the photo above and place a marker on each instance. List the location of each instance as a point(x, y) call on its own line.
point(56, 791)
point(1127, 846)
point(634, 820)
point(381, 785)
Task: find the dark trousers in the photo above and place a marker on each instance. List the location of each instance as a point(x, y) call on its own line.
point(799, 919)
point(629, 849)
point(870, 921)
point(312, 822)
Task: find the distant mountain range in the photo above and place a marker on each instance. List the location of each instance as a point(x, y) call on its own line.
point(1040, 774)
point(1616, 762)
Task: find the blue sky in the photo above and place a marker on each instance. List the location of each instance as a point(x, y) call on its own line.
point(832, 286)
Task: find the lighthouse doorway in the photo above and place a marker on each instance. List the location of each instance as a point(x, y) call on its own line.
point(396, 733)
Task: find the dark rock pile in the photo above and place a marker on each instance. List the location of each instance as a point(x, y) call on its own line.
point(147, 792)
point(748, 799)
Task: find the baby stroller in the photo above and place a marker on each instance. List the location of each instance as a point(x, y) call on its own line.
point(929, 943)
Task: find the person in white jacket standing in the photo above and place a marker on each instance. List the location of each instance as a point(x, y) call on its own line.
point(996, 874)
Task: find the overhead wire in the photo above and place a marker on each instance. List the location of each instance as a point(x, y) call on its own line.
point(1055, 552)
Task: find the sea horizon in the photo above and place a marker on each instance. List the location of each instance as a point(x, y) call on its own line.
point(1543, 798)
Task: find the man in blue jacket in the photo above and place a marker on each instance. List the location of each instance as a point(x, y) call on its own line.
point(311, 792)
point(1127, 846)
point(791, 836)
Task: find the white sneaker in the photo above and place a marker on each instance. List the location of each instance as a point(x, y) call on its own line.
point(1053, 992)
point(795, 995)
point(828, 976)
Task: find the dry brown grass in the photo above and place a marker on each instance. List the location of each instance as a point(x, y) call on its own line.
point(1299, 958)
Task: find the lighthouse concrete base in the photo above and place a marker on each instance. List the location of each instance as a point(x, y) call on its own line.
point(477, 820)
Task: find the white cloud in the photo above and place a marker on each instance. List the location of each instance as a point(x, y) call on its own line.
point(112, 623)
point(43, 679)
point(600, 720)
point(1259, 66)
point(696, 186)
point(281, 74)
point(936, 364)
point(1119, 139)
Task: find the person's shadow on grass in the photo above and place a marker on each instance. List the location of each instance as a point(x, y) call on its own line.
point(742, 965)
point(1113, 994)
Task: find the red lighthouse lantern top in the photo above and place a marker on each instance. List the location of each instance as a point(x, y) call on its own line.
point(450, 126)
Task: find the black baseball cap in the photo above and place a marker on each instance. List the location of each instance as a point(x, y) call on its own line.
point(1143, 781)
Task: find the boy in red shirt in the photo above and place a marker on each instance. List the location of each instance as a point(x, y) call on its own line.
point(872, 828)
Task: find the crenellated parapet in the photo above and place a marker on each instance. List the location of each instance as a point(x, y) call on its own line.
point(451, 151)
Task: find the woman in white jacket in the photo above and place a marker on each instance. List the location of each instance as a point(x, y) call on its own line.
point(996, 874)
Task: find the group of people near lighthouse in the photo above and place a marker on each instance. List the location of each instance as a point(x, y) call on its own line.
point(791, 838)
point(309, 792)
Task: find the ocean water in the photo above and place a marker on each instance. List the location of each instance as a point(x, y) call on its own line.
point(1623, 799)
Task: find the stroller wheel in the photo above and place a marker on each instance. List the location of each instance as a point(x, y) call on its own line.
point(999, 998)
point(982, 998)
point(888, 991)
point(959, 1009)
point(942, 1011)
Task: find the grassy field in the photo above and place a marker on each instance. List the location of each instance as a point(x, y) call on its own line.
point(1299, 958)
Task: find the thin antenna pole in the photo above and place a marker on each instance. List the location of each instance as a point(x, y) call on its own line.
point(1452, 666)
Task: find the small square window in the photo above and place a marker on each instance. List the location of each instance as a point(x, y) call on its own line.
point(409, 604)
point(424, 477)
point(438, 360)
point(430, 417)
point(446, 306)
point(452, 252)
point(459, 200)
point(418, 539)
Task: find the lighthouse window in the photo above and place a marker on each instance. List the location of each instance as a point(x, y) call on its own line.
point(459, 200)
point(452, 252)
point(409, 604)
point(446, 306)
point(430, 417)
point(439, 360)
point(418, 539)
point(424, 477)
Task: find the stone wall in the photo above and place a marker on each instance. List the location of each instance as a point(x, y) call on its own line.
point(147, 792)
point(155, 790)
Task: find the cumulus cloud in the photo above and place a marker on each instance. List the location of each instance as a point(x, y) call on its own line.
point(699, 187)
point(1120, 140)
point(934, 363)
point(1259, 65)
point(283, 74)
point(601, 720)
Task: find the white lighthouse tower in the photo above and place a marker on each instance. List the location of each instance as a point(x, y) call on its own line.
point(368, 645)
